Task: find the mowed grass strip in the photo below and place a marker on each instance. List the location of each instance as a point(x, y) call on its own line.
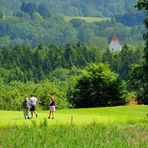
point(86, 19)
point(120, 114)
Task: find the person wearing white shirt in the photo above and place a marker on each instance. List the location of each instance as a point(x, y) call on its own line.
point(33, 102)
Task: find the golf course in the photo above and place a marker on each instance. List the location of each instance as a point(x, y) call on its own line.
point(73, 74)
point(120, 114)
point(121, 126)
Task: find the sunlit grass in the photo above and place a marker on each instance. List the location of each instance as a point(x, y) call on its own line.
point(120, 114)
point(86, 19)
point(110, 127)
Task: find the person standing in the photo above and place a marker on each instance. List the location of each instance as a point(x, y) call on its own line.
point(52, 107)
point(25, 106)
point(33, 102)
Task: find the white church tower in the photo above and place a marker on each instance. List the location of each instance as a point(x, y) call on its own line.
point(114, 44)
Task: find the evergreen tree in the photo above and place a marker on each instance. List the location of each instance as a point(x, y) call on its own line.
point(29, 8)
point(126, 60)
point(1, 14)
point(107, 57)
point(143, 5)
point(44, 11)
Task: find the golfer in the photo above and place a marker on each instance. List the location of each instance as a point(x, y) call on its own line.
point(25, 106)
point(33, 101)
point(52, 107)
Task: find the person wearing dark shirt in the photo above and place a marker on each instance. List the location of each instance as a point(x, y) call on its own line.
point(52, 107)
point(25, 106)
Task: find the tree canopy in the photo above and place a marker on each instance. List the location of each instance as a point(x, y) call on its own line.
point(98, 86)
point(139, 73)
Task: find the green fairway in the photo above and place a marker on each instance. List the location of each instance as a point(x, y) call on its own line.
point(80, 116)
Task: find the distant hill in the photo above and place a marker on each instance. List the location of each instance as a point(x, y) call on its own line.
point(95, 8)
point(68, 21)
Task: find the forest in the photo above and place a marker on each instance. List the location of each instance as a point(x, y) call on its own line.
point(43, 54)
point(74, 7)
point(42, 71)
point(43, 22)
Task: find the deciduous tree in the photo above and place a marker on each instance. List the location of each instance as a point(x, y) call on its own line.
point(98, 86)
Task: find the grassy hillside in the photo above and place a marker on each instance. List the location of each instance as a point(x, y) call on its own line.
point(86, 19)
point(120, 114)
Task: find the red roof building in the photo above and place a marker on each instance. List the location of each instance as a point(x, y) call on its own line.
point(114, 44)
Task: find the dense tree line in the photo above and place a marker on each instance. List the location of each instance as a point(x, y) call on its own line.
point(25, 63)
point(139, 73)
point(74, 7)
point(12, 95)
point(32, 8)
point(96, 83)
point(35, 29)
point(43, 70)
point(131, 18)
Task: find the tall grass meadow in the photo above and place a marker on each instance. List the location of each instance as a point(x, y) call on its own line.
point(94, 135)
